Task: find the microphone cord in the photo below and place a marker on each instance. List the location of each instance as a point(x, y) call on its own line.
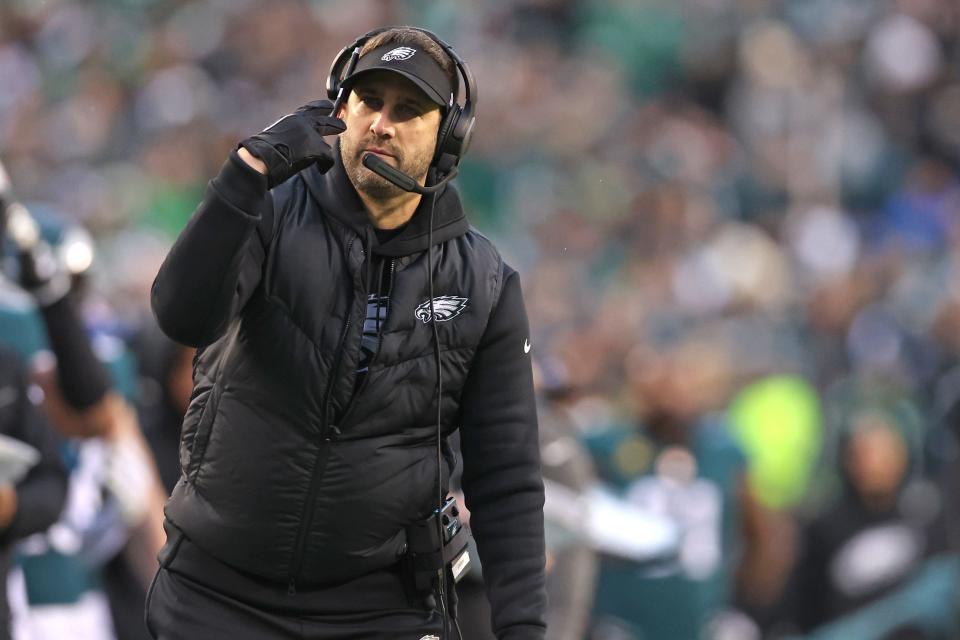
point(442, 582)
point(407, 183)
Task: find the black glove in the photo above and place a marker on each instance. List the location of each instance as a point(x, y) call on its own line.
point(42, 273)
point(295, 141)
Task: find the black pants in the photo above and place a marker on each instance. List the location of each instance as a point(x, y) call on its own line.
point(180, 609)
point(193, 597)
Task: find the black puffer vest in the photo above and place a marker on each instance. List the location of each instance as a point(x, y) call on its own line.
point(290, 472)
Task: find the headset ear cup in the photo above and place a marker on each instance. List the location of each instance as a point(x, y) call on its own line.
point(463, 132)
point(448, 124)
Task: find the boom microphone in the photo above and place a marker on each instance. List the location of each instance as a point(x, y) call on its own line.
point(400, 179)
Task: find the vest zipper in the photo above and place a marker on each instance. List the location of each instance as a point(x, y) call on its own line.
point(373, 358)
point(306, 516)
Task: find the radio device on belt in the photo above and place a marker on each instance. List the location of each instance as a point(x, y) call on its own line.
point(427, 555)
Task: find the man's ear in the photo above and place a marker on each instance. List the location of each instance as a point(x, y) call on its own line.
point(342, 109)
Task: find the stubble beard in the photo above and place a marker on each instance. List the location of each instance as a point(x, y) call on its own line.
point(374, 186)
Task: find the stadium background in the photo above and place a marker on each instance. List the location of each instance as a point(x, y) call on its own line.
point(747, 210)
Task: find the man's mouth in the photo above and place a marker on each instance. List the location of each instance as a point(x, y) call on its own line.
point(383, 153)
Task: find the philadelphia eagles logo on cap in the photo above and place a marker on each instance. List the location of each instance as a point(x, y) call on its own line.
point(400, 53)
point(446, 308)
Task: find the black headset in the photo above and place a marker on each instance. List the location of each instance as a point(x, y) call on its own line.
point(456, 128)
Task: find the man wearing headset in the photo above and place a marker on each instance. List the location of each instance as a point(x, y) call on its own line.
point(318, 293)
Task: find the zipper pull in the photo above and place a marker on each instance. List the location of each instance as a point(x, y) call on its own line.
point(292, 587)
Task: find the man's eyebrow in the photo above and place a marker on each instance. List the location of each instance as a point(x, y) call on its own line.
point(424, 104)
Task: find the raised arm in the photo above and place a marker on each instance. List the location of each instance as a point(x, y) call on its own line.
point(215, 264)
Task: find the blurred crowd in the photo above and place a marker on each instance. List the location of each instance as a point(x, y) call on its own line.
point(738, 227)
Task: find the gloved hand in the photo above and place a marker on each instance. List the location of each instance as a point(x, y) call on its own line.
point(42, 273)
point(38, 264)
point(295, 141)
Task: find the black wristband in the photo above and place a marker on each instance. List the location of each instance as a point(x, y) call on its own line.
point(83, 379)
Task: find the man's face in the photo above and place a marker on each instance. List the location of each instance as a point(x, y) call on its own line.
point(389, 116)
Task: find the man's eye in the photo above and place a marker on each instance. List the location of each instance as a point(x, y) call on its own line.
point(372, 102)
point(407, 111)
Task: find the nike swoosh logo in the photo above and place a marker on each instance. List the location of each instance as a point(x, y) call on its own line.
point(526, 346)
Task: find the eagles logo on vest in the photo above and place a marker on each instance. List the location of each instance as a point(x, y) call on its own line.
point(400, 53)
point(446, 308)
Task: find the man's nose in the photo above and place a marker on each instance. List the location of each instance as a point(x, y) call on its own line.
point(382, 125)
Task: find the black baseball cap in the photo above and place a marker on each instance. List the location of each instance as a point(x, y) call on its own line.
point(411, 62)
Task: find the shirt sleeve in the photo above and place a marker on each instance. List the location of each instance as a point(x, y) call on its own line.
point(502, 484)
point(216, 263)
point(83, 379)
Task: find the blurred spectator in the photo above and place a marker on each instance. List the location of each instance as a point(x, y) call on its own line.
point(876, 534)
point(568, 472)
point(777, 421)
point(113, 497)
point(32, 502)
point(681, 462)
